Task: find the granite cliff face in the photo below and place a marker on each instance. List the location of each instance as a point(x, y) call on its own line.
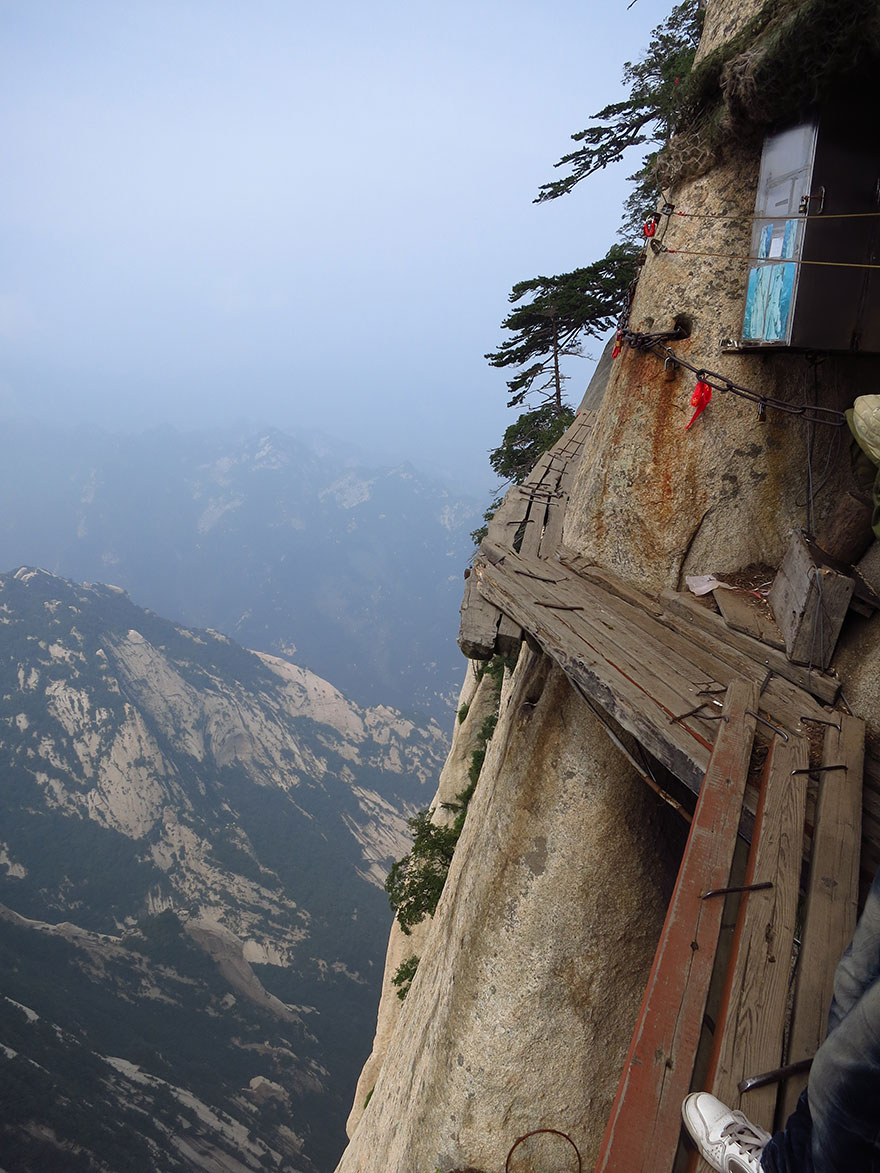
point(533, 967)
point(194, 840)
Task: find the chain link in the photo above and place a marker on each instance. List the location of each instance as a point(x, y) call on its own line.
point(658, 344)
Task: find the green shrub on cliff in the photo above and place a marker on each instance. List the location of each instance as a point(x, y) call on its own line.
point(415, 882)
point(404, 975)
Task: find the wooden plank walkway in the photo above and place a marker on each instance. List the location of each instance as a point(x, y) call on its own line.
point(643, 1129)
point(696, 691)
point(749, 1028)
point(629, 657)
point(529, 520)
point(833, 890)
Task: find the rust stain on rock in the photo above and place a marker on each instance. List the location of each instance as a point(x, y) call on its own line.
point(666, 501)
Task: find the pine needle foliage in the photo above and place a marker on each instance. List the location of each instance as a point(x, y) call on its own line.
point(526, 439)
point(415, 883)
point(646, 117)
point(403, 976)
point(551, 317)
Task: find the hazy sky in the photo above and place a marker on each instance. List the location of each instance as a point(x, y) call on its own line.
point(303, 213)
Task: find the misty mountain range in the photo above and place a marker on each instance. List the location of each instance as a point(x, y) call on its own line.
point(284, 545)
point(194, 835)
point(193, 839)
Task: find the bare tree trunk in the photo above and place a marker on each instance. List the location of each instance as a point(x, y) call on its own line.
point(557, 377)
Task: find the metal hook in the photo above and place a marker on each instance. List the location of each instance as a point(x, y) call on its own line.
point(769, 724)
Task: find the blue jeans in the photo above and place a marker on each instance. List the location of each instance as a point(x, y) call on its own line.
point(836, 1125)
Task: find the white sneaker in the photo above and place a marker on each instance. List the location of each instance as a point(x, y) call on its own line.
point(726, 1139)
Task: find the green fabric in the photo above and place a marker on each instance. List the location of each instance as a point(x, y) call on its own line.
point(866, 473)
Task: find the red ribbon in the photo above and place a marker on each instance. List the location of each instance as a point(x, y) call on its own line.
point(700, 400)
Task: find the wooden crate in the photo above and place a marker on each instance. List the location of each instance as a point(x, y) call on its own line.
point(809, 603)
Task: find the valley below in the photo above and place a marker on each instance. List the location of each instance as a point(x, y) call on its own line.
point(194, 841)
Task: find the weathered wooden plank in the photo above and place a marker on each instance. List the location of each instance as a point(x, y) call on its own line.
point(508, 517)
point(534, 530)
point(832, 894)
point(809, 603)
point(674, 744)
point(635, 657)
point(643, 1129)
point(608, 581)
point(552, 535)
point(781, 700)
point(750, 1026)
point(509, 637)
point(646, 642)
point(785, 704)
point(479, 623)
point(686, 610)
point(543, 473)
point(743, 612)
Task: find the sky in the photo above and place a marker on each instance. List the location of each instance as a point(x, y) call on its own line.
point(307, 215)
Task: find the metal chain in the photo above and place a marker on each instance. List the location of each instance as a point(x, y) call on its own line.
point(659, 344)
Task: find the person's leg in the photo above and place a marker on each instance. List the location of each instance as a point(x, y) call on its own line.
point(859, 967)
point(790, 1151)
point(836, 1125)
point(844, 1091)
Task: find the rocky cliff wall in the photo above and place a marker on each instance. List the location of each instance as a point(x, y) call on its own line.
point(654, 502)
point(533, 968)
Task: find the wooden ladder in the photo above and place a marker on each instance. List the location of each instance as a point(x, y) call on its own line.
point(643, 1130)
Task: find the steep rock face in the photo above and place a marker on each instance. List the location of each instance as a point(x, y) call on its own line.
point(533, 968)
point(478, 700)
point(654, 502)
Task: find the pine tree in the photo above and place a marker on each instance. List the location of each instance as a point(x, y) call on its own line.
point(559, 311)
point(647, 116)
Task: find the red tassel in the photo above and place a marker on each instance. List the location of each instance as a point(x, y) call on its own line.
point(618, 344)
point(650, 228)
point(700, 400)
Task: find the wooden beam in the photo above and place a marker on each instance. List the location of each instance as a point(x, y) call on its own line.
point(743, 612)
point(692, 616)
point(509, 637)
point(479, 623)
point(552, 537)
point(643, 1129)
point(809, 603)
point(832, 894)
point(750, 1026)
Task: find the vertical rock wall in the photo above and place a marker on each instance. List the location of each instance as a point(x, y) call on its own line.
point(535, 963)
point(478, 700)
point(653, 501)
